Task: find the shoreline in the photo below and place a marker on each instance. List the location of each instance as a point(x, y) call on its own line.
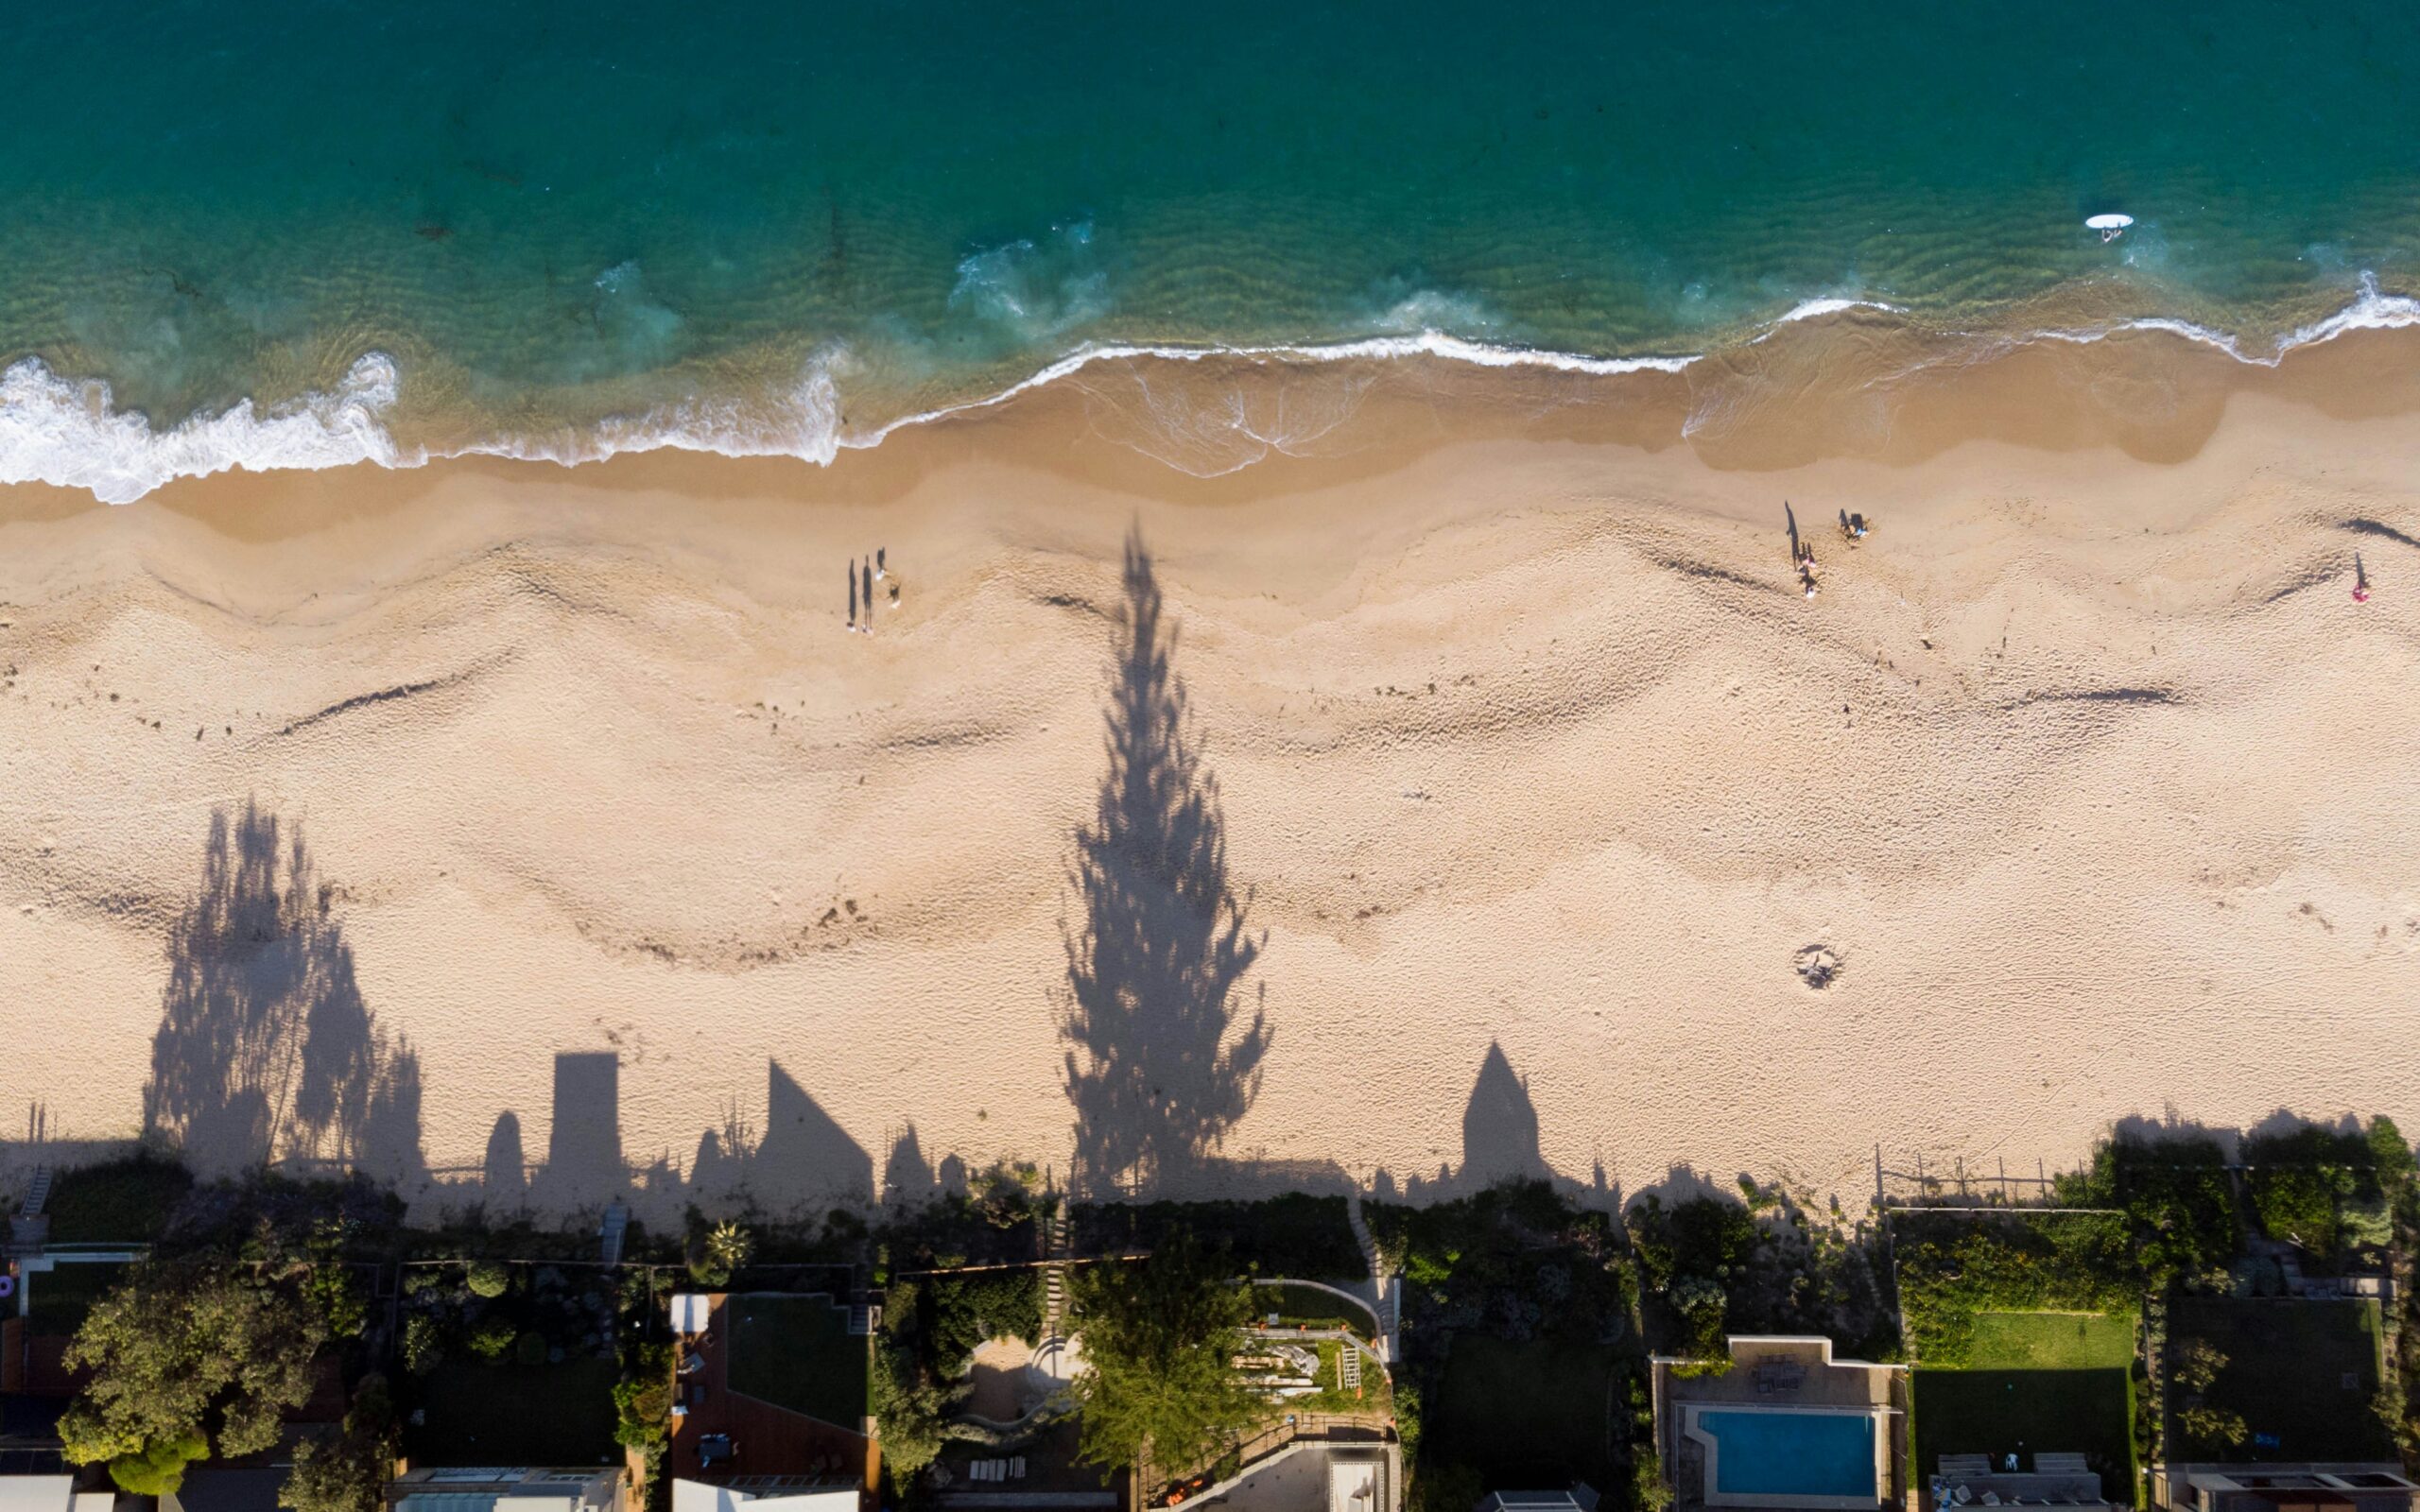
point(1835, 376)
point(587, 759)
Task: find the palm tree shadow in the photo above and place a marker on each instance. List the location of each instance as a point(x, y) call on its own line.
point(1155, 1065)
point(266, 1051)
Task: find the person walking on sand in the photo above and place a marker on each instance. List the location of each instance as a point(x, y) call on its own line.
point(853, 596)
point(2361, 580)
point(868, 579)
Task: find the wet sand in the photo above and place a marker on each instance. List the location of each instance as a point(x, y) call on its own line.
point(2084, 766)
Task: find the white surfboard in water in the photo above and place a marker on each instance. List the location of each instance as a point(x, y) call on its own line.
point(2110, 226)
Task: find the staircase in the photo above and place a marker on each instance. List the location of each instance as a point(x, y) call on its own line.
point(1054, 1274)
point(30, 1228)
point(1383, 1289)
point(864, 1318)
point(610, 1232)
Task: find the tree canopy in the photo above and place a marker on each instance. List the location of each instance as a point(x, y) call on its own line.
point(185, 1356)
point(348, 1472)
point(1159, 1339)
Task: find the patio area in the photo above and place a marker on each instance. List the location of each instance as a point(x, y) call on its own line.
point(724, 1436)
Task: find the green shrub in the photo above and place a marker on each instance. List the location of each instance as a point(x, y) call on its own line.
point(422, 1352)
point(491, 1337)
point(643, 1400)
point(158, 1471)
point(531, 1349)
point(490, 1278)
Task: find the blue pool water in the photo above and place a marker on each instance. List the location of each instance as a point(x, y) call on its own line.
point(1803, 1453)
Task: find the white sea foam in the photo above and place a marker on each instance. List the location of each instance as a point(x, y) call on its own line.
point(1809, 309)
point(66, 432)
point(2370, 311)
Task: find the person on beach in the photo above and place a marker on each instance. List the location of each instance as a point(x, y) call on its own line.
point(2361, 580)
point(881, 568)
point(853, 596)
point(869, 578)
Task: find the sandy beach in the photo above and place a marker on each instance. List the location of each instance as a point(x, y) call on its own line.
point(2084, 767)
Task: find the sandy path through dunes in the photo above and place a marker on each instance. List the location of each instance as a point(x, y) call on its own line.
point(2088, 770)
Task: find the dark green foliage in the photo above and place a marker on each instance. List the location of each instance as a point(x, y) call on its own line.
point(183, 1348)
point(491, 1337)
point(130, 1200)
point(1296, 1234)
point(1159, 1336)
point(421, 1350)
point(2178, 1198)
point(490, 1278)
point(531, 1349)
point(2313, 1187)
point(962, 1310)
point(1711, 1265)
point(908, 1405)
point(348, 1472)
point(643, 1398)
point(1953, 1266)
point(1514, 1261)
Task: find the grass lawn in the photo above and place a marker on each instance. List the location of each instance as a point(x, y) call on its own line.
point(477, 1413)
point(1543, 1413)
point(2301, 1374)
point(2024, 1412)
point(2052, 1341)
point(59, 1297)
point(1309, 1304)
point(796, 1352)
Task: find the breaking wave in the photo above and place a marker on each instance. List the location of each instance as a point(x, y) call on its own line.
point(66, 431)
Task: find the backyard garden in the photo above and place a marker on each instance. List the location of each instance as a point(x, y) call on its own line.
point(2022, 1327)
point(2275, 1379)
point(512, 1364)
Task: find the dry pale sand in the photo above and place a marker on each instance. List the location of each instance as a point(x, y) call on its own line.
point(2087, 768)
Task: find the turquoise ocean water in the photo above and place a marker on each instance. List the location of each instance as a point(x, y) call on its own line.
point(301, 232)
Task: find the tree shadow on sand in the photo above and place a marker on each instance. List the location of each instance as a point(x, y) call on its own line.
point(1156, 1066)
point(266, 1051)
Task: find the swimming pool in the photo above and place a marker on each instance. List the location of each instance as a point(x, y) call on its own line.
point(1805, 1457)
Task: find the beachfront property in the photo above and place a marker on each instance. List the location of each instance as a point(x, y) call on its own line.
point(2378, 1486)
point(524, 1488)
point(1315, 1475)
point(1782, 1425)
point(770, 1400)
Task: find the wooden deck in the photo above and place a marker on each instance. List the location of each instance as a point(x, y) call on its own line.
point(767, 1440)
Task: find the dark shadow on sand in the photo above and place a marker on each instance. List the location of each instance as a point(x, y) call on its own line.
point(1156, 1065)
point(266, 1052)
